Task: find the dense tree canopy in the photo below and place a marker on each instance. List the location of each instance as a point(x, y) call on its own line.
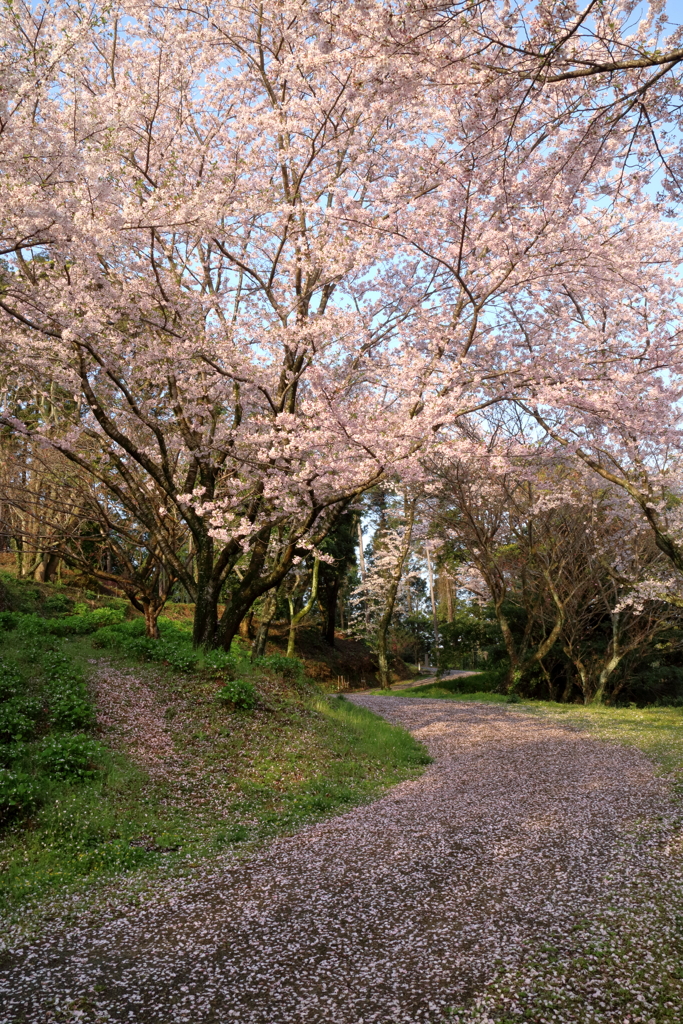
point(259, 260)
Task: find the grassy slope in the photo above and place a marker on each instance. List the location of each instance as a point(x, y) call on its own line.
point(295, 759)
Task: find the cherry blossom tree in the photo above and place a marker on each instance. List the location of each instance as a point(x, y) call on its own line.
point(389, 568)
point(566, 565)
point(277, 252)
point(633, 441)
point(178, 234)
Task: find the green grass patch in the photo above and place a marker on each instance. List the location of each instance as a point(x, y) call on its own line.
point(173, 648)
point(657, 731)
point(475, 687)
point(261, 753)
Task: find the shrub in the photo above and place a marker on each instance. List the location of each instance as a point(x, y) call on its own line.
point(57, 604)
point(178, 653)
point(31, 625)
point(18, 793)
point(10, 681)
point(67, 696)
point(240, 693)
point(173, 647)
point(8, 621)
point(70, 710)
point(74, 757)
point(10, 753)
point(56, 665)
point(19, 595)
point(290, 670)
point(17, 719)
point(220, 661)
point(109, 636)
point(84, 623)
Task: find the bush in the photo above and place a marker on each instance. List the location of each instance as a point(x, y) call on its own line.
point(178, 653)
point(109, 636)
point(174, 646)
point(8, 621)
point(57, 604)
point(10, 681)
point(19, 595)
point(10, 753)
point(83, 623)
point(240, 693)
point(17, 719)
point(72, 757)
point(67, 695)
point(290, 670)
point(71, 711)
point(18, 793)
point(31, 625)
point(220, 661)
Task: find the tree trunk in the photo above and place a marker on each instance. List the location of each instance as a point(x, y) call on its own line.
point(435, 618)
point(46, 567)
point(390, 601)
point(382, 654)
point(332, 594)
point(51, 565)
point(297, 617)
point(361, 559)
point(567, 692)
point(206, 617)
point(269, 608)
point(514, 674)
point(603, 678)
point(246, 626)
point(152, 611)
point(612, 662)
point(205, 624)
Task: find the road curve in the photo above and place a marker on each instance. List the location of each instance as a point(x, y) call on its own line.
point(387, 914)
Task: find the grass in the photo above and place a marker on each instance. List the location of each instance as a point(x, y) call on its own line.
point(455, 689)
point(249, 774)
point(657, 731)
point(435, 690)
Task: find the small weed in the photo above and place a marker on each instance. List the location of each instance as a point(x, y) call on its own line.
point(74, 757)
point(240, 693)
point(289, 670)
point(19, 793)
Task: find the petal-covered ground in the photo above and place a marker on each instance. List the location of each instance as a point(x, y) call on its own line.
point(393, 913)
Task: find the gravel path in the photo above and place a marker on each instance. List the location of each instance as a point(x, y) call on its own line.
point(388, 914)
